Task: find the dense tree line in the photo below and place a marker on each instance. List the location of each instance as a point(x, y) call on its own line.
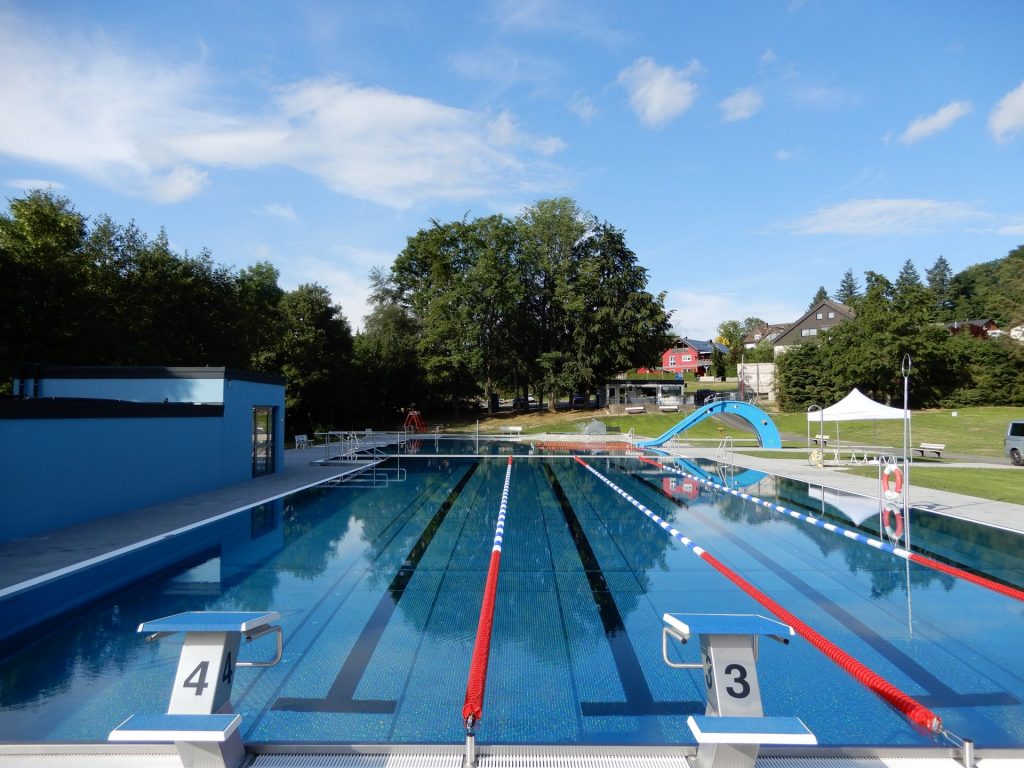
point(552, 301)
point(908, 316)
point(75, 292)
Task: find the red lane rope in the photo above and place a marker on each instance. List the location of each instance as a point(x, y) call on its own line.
point(473, 706)
point(927, 562)
point(914, 710)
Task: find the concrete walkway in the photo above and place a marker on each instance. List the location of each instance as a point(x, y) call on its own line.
point(33, 558)
point(999, 514)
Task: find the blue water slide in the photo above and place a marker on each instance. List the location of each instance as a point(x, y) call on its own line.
point(762, 424)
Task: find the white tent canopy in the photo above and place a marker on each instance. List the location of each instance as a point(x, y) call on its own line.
point(855, 407)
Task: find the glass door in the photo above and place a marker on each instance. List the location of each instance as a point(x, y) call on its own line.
point(262, 440)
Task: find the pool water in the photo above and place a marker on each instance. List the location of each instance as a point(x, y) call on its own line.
point(379, 590)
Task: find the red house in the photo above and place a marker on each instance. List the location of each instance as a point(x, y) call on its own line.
point(690, 355)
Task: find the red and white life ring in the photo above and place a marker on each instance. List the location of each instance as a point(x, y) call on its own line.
point(893, 472)
point(892, 521)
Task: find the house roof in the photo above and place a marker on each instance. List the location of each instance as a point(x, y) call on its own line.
point(976, 323)
point(764, 331)
point(705, 347)
point(791, 335)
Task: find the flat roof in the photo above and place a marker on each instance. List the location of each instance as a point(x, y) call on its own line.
point(41, 371)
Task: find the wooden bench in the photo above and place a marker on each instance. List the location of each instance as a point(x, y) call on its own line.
point(511, 429)
point(821, 440)
point(936, 448)
point(633, 409)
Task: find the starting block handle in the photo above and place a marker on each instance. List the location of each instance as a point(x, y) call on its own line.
point(258, 633)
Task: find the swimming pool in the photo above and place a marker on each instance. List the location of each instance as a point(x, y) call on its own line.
point(379, 590)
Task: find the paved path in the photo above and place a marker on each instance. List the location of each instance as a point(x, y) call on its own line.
point(995, 513)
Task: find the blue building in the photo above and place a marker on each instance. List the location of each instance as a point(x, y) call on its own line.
point(85, 442)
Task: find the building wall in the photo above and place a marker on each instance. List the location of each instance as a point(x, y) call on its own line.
point(66, 469)
point(681, 365)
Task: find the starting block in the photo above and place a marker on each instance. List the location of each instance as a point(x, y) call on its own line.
point(199, 719)
point(734, 725)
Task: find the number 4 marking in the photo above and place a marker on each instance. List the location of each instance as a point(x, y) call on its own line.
point(197, 679)
point(228, 673)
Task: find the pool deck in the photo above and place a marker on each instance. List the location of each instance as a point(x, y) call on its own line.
point(999, 514)
point(27, 560)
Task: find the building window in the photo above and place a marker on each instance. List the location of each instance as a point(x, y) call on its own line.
point(820, 316)
point(671, 361)
point(809, 332)
point(687, 358)
point(831, 315)
point(263, 440)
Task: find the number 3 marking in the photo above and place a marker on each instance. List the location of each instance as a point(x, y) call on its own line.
point(740, 680)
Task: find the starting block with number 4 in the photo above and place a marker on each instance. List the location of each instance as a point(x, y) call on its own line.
point(199, 719)
point(734, 724)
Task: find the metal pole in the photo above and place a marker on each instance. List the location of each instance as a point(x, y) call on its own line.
point(905, 367)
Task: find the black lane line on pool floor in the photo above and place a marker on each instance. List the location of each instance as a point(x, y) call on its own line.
point(939, 694)
point(639, 700)
point(341, 695)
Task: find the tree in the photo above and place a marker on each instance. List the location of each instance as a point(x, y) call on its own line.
point(314, 354)
point(848, 289)
point(940, 278)
point(386, 362)
point(819, 297)
point(46, 277)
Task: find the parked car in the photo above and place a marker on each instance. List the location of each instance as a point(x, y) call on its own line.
point(1013, 443)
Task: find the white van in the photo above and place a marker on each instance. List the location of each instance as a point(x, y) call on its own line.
point(1013, 443)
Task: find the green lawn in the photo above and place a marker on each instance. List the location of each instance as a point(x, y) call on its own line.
point(995, 484)
point(973, 431)
point(977, 431)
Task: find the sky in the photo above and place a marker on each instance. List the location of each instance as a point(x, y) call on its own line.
point(751, 151)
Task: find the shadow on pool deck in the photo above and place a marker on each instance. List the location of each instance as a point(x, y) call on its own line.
point(35, 556)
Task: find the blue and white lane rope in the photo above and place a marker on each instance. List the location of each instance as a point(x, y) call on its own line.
point(927, 562)
point(499, 530)
point(914, 710)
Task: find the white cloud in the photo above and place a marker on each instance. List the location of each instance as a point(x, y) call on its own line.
point(133, 123)
point(1014, 227)
point(742, 105)
point(659, 94)
point(281, 211)
point(581, 105)
point(577, 19)
point(768, 57)
point(937, 122)
point(884, 217)
point(783, 155)
point(698, 314)
point(28, 184)
point(1007, 118)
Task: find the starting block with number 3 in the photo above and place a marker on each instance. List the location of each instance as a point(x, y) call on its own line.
point(734, 724)
point(198, 719)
